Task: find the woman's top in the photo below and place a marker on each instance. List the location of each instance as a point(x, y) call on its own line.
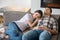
point(22, 23)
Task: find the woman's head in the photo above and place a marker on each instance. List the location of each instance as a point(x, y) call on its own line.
point(37, 14)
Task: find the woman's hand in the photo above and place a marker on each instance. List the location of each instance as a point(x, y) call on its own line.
point(37, 19)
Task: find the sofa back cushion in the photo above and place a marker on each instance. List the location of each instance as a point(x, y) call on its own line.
point(59, 24)
point(10, 16)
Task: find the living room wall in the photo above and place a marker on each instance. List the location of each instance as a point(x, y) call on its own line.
point(35, 4)
point(15, 3)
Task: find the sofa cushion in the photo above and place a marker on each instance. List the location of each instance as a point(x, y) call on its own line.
point(54, 37)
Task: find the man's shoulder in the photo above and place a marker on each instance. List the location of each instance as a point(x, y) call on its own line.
point(53, 18)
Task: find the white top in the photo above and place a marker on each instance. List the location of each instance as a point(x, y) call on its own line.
point(22, 23)
point(1, 14)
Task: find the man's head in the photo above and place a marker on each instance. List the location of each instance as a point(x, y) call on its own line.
point(47, 11)
point(37, 14)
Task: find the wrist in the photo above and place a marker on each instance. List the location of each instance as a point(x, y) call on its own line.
point(35, 21)
point(48, 29)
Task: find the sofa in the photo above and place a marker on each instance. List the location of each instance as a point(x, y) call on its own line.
point(10, 16)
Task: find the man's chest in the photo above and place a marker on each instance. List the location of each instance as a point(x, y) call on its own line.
point(45, 22)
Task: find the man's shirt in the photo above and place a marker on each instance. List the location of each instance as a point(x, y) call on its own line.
point(48, 21)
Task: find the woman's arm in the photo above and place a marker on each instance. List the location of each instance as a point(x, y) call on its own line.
point(31, 24)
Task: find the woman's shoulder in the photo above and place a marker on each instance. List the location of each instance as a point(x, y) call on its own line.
point(29, 14)
point(40, 19)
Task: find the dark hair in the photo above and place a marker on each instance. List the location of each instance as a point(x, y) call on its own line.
point(40, 12)
point(49, 8)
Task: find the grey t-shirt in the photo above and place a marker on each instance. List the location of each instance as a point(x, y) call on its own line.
point(22, 23)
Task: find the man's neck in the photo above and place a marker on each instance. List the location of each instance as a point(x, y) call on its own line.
point(47, 15)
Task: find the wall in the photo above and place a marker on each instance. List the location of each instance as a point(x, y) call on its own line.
point(16, 3)
point(35, 4)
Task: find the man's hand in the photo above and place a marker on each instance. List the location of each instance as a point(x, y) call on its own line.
point(35, 28)
point(0, 32)
point(43, 28)
point(53, 31)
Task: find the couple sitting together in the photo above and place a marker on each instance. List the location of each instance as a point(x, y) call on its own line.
point(42, 26)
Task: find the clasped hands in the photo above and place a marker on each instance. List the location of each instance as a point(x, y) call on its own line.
point(41, 28)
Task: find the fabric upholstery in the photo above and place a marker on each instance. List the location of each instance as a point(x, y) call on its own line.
point(12, 16)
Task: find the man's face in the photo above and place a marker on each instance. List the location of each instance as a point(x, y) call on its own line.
point(47, 11)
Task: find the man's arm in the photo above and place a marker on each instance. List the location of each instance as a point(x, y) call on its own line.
point(55, 26)
point(53, 31)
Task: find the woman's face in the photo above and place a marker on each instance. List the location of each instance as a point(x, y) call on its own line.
point(36, 15)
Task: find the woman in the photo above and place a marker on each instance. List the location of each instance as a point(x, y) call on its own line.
point(16, 28)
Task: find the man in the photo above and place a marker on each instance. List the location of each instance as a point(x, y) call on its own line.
point(45, 29)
